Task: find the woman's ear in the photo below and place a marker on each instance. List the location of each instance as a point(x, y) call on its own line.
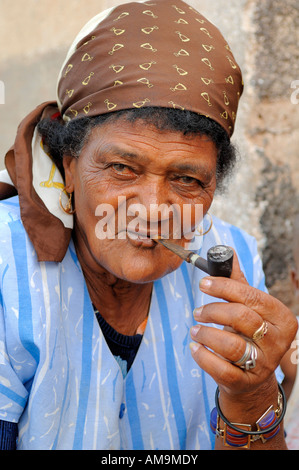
point(69, 165)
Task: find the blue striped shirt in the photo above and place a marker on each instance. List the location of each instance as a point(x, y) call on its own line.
point(58, 378)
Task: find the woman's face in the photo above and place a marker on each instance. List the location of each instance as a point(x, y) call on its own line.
point(125, 180)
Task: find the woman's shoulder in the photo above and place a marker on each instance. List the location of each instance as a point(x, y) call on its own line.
point(9, 211)
point(245, 245)
point(12, 231)
point(241, 240)
point(10, 220)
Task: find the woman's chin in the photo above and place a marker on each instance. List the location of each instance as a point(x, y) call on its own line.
point(140, 270)
point(143, 276)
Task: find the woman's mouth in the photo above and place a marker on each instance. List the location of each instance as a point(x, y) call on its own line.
point(144, 239)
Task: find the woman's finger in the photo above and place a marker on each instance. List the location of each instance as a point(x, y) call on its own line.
point(228, 345)
point(231, 290)
point(237, 274)
point(240, 318)
point(222, 371)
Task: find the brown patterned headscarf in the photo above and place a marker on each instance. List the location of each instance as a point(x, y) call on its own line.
point(153, 53)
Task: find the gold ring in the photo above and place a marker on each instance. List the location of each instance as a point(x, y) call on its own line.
point(260, 332)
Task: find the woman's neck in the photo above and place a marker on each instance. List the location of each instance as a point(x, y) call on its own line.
point(124, 305)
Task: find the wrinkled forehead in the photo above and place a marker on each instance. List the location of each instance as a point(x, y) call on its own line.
point(156, 53)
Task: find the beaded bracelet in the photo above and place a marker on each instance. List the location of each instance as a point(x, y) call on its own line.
point(267, 425)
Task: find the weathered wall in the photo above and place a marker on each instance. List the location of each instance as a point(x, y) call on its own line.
point(264, 35)
point(273, 132)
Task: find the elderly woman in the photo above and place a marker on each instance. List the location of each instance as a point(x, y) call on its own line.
point(96, 314)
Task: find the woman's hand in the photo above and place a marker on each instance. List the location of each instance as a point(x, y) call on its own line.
point(245, 394)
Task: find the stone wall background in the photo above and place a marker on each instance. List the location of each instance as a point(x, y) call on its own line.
point(263, 195)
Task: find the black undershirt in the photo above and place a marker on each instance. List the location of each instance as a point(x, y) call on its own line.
point(122, 346)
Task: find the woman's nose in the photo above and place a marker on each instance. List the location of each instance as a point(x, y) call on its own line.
point(152, 202)
point(156, 212)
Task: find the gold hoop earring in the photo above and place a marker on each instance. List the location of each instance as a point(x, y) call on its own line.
point(68, 208)
point(200, 232)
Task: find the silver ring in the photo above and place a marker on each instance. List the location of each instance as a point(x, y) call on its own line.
point(248, 360)
point(245, 356)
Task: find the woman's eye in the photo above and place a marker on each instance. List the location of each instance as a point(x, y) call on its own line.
point(120, 168)
point(189, 180)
